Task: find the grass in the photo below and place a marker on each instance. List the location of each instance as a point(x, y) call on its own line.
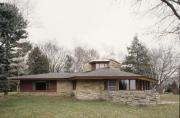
point(9, 93)
point(61, 107)
point(169, 97)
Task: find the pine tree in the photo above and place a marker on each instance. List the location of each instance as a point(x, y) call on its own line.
point(38, 63)
point(12, 29)
point(137, 60)
point(19, 65)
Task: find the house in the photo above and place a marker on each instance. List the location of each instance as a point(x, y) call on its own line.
point(101, 77)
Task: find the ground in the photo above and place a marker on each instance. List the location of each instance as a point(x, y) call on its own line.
point(169, 97)
point(59, 107)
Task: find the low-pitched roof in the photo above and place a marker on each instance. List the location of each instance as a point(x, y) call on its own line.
point(99, 61)
point(53, 76)
point(106, 73)
point(103, 61)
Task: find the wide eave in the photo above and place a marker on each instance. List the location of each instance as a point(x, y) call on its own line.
point(92, 75)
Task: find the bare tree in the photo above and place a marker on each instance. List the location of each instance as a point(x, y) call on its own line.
point(82, 56)
point(56, 56)
point(164, 64)
point(168, 15)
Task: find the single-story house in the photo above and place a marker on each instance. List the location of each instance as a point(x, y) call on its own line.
point(99, 77)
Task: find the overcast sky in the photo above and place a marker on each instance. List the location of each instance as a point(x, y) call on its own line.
point(101, 24)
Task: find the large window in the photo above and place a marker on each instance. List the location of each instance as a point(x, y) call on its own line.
point(145, 85)
point(132, 84)
point(123, 84)
point(40, 85)
point(112, 85)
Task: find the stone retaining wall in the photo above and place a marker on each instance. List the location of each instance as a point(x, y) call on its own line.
point(133, 97)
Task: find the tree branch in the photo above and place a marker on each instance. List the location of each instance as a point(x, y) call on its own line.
point(172, 8)
point(177, 2)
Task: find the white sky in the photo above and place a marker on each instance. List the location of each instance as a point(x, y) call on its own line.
point(101, 24)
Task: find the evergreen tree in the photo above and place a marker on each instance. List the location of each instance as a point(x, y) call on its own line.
point(12, 29)
point(137, 60)
point(38, 63)
point(68, 64)
point(19, 67)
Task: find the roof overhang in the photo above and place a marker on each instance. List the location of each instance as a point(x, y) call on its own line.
point(113, 77)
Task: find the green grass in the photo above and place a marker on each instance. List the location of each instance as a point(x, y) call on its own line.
point(59, 107)
point(169, 97)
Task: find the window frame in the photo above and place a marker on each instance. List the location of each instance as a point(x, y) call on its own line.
point(114, 87)
point(38, 82)
point(126, 82)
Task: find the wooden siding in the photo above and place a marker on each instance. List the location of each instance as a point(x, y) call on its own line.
point(27, 86)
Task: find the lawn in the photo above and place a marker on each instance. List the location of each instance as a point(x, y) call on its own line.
point(60, 107)
point(169, 97)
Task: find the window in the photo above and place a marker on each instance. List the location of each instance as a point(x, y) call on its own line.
point(105, 85)
point(148, 85)
point(97, 66)
point(105, 65)
point(101, 65)
point(74, 84)
point(41, 85)
point(143, 85)
point(112, 85)
point(132, 84)
point(123, 84)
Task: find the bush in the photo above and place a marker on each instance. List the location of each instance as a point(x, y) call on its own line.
point(174, 88)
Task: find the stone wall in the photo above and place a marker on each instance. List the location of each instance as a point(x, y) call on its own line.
point(134, 97)
point(94, 90)
point(87, 67)
point(64, 88)
point(89, 89)
point(114, 64)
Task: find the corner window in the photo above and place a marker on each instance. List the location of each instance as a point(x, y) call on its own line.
point(123, 84)
point(132, 84)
